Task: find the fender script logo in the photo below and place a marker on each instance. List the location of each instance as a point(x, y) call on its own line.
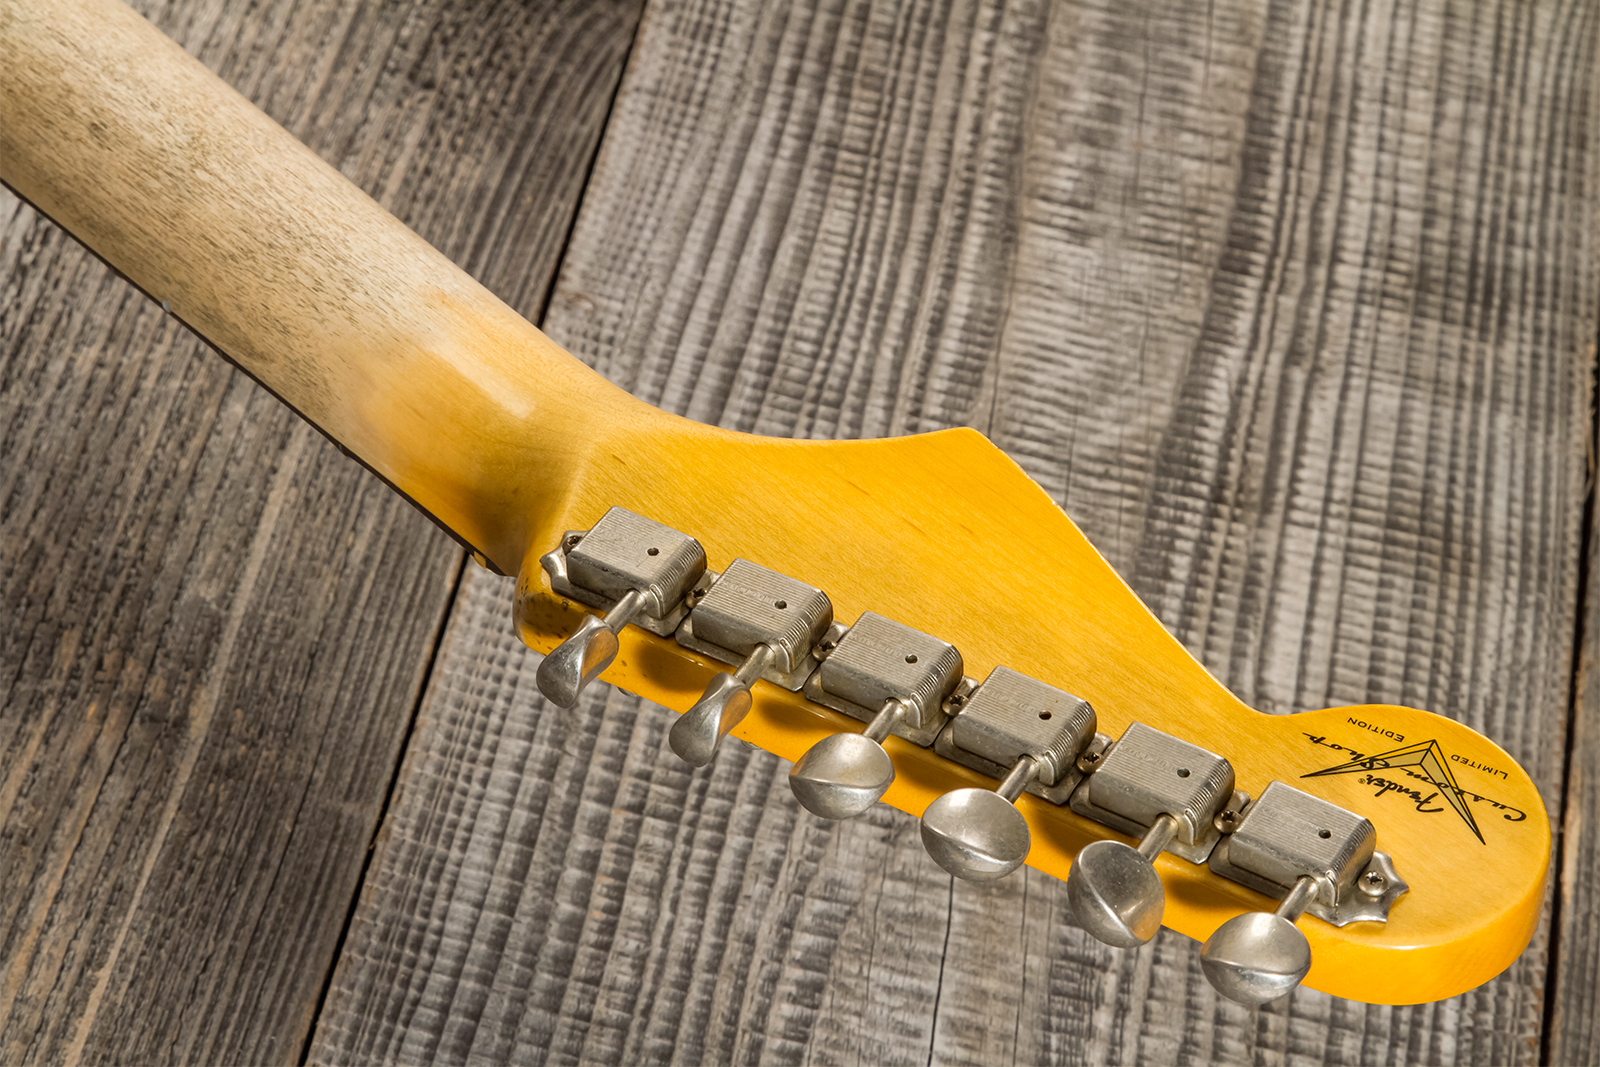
point(1432, 766)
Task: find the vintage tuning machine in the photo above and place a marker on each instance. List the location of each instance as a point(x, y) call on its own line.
point(1313, 856)
point(1023, 732)
point(1167, 793)
point(766, 624)
point(890, 676)
point(635, 570)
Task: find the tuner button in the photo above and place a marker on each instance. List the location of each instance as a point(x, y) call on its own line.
point(844, 775)
point(977, 834)
point(841, 776)
point(1114, 890)
point(1260, 956)
point(578, 660)
point(723, 705)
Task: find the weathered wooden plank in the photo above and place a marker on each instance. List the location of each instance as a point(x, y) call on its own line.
point(1290, 304)
point(1574, 1016)
point(216, 626)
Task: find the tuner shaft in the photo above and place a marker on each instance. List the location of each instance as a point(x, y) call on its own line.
point(1163, 790)
point(977, 834)
point(723, 705)
point(1258, 957)
point(577, 661)
point(844, 775)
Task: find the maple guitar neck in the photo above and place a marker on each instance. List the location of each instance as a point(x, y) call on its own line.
point(293, 273)
point(508, 441)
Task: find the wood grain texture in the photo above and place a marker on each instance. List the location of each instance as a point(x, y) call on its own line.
point(217, 627)
point(1290, 305)
point(1574, 1015)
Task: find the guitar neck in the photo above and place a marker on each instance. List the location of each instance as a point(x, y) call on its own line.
point(293, 273)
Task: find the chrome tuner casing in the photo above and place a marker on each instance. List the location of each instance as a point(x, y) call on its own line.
point(1028, 735)
point(879, 659)
point(1288, 833)
point(1011, 715)
point(634, 569)
point(1313, 856)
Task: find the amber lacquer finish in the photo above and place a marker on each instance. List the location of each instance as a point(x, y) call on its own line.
point(489, 426)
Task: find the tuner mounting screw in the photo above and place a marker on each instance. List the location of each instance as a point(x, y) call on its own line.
point(1227, 821)
point(1373, 883)
point(1088, 760)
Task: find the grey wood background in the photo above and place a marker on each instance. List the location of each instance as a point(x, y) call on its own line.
point(1292, 305)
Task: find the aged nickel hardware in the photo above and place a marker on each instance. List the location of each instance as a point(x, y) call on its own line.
point(633, 568)
point(895, 678)
point(763, 622)
point(1260, 956)
point(1163, 790)
point(1032, 734)
point(1312, 855)
point(1172, 795)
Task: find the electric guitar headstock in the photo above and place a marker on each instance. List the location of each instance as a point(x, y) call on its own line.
point(910, 620)
point(913, 620)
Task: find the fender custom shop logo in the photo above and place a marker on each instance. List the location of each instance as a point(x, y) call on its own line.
point(1425, 778)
